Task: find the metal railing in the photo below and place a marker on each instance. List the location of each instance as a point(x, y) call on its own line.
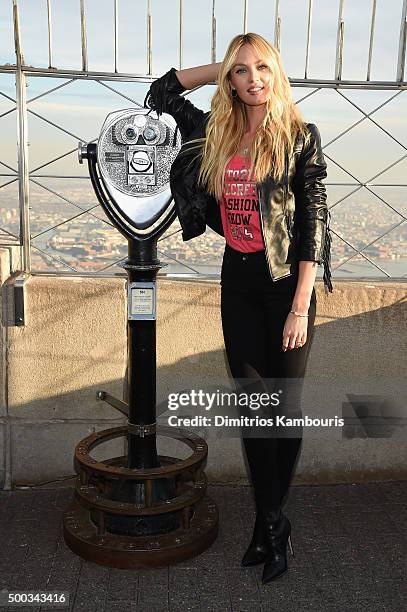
point(25, 176)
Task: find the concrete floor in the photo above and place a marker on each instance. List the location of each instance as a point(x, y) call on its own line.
point(349, 543)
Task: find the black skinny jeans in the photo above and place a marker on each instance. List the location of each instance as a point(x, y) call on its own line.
point(254, 310)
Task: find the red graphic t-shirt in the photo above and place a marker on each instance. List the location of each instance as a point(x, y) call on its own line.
point(239, 208)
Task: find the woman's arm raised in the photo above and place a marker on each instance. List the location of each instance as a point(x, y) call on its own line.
point(198, 75)
point(164, 95)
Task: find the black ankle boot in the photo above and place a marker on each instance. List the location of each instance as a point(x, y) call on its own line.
point(257, 551)
point(278, 533)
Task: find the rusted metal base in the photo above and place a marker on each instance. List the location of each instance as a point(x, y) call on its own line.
point(90, 525)
point(126, 552)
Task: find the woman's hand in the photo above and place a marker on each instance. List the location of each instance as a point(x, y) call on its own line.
point(296, 327)
point(295, 332)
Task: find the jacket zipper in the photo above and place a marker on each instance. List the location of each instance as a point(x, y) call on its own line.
point(288, 222)
point(264, 235)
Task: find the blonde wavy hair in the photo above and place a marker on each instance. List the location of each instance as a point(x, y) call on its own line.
point(227, 122)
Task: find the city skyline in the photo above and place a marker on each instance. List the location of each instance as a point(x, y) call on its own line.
point(88, 243)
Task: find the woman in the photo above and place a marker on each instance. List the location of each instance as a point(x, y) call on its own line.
point(252, 170)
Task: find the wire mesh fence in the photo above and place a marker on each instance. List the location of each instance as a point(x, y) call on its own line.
point(47, 204)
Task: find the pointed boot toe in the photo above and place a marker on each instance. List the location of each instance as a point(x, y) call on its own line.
point(274, 567)
point(254, 555)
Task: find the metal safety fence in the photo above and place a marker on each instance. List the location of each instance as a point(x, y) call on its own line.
point(74, 236)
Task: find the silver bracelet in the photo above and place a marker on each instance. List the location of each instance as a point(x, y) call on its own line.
point(297, 314)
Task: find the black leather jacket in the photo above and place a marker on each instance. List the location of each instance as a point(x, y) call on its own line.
point(294, 214)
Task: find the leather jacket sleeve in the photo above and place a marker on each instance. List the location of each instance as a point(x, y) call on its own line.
point(164, 96)
point(310, 197)
point(311, 205)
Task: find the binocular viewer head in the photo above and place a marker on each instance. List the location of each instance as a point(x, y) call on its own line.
point(134, 155)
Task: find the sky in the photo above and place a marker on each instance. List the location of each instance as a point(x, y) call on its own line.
point(197, 33)
point(81, 106)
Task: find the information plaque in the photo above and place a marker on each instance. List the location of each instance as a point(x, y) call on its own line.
point(142, 301)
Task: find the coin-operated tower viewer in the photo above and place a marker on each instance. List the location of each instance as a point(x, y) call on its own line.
point(142, 509)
